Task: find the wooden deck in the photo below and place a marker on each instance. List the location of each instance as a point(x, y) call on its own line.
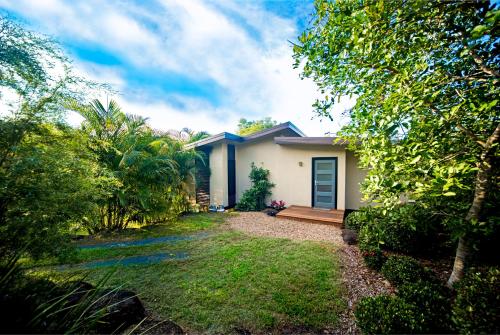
point(314, 215)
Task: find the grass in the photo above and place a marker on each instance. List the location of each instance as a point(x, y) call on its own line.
point(232, 280)
point(187, 224)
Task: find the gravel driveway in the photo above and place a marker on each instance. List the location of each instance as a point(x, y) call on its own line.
point(359, 280)
point(260, 224)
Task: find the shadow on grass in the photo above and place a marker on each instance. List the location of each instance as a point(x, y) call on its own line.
point(134, 260)
point(146, 241)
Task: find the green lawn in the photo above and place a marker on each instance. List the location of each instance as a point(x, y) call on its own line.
point(230, 280)
point(187, 224)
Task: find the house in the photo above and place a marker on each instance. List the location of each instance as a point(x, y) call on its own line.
point(308, 172)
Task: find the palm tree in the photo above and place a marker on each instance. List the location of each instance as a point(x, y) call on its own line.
point(187, 135)
point(147, 171)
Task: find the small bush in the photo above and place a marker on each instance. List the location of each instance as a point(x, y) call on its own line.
point(370, 247)
point(374, 258)
point(254, 198)
point(432, 301)
point(353, 221)
point(403, 269)
point(369, 237)
point(385, 314)
point(406, 228)
point(477, 304)
point(359, 218)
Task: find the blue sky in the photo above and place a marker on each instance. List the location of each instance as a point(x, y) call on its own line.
point(192, 63)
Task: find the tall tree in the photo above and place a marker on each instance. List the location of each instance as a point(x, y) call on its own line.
point(45, 171)
point(247, 127)
point(146, 173)
point(187, 135)
point(426, 78)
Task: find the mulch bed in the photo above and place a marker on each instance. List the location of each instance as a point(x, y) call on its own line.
point(360, 282)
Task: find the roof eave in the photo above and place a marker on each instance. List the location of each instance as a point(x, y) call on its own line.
point(310, 141)
point(237, 138)
point(214, 138)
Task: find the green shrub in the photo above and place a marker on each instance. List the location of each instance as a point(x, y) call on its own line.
point(370, 247)
point(361, 217)
point(374, 258)
point(405, 228)
point(432, 301)
point(477, 304)
point(254, 198)
point(403, 269)
point(385, 314)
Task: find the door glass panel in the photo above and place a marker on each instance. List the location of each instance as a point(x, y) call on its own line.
point(324, 188)
point(321, 198)
point(324, 177)
point(324, 166)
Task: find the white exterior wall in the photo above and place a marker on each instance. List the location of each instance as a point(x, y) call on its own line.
point(293, 182)
point(218, 174)
point(355, 176)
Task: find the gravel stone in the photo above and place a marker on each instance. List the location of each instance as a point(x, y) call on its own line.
point(260, 224)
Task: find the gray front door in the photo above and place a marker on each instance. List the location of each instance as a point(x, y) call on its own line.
point(325, 182)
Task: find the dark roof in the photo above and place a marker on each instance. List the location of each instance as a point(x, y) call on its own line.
point(310, 141)
point(236, 138)
point(279, 127)
point(214, 138)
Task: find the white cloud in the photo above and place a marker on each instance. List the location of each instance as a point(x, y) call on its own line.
point(207, 40)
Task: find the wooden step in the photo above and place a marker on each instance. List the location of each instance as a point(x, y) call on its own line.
point(313, 215)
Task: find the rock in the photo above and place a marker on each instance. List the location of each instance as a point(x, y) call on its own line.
point(79, 289)
point(242, 331)
point(122, 308)
point(349, 236)
point(272, 212)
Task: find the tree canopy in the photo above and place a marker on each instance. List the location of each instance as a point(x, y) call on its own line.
point(426, 121)
point(145, 173)
point(247, 127)
point(187, 135)
point(46, 175)
point(55, 179)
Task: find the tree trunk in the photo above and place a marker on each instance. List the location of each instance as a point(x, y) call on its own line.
point(460, 263)
point(483, 180)
point(473, 215)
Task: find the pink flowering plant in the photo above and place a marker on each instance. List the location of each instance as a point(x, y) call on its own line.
point(278, 205)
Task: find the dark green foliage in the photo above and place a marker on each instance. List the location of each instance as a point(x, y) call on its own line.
point(405, 228)
point(425, 122)
point(54, 178)
point(357, 219)
point(385, 314)
point(46, 174)
point(254, 198)
point(419, 307)
point(432, 302)
point(403, 269)
point(46, 185)
point(38, 305)
point(370, 236)
point(374, 258)
point(146, 174)
point(422, 304)
point(477, 303)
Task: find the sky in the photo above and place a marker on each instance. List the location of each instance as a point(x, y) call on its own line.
point(187, 63)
